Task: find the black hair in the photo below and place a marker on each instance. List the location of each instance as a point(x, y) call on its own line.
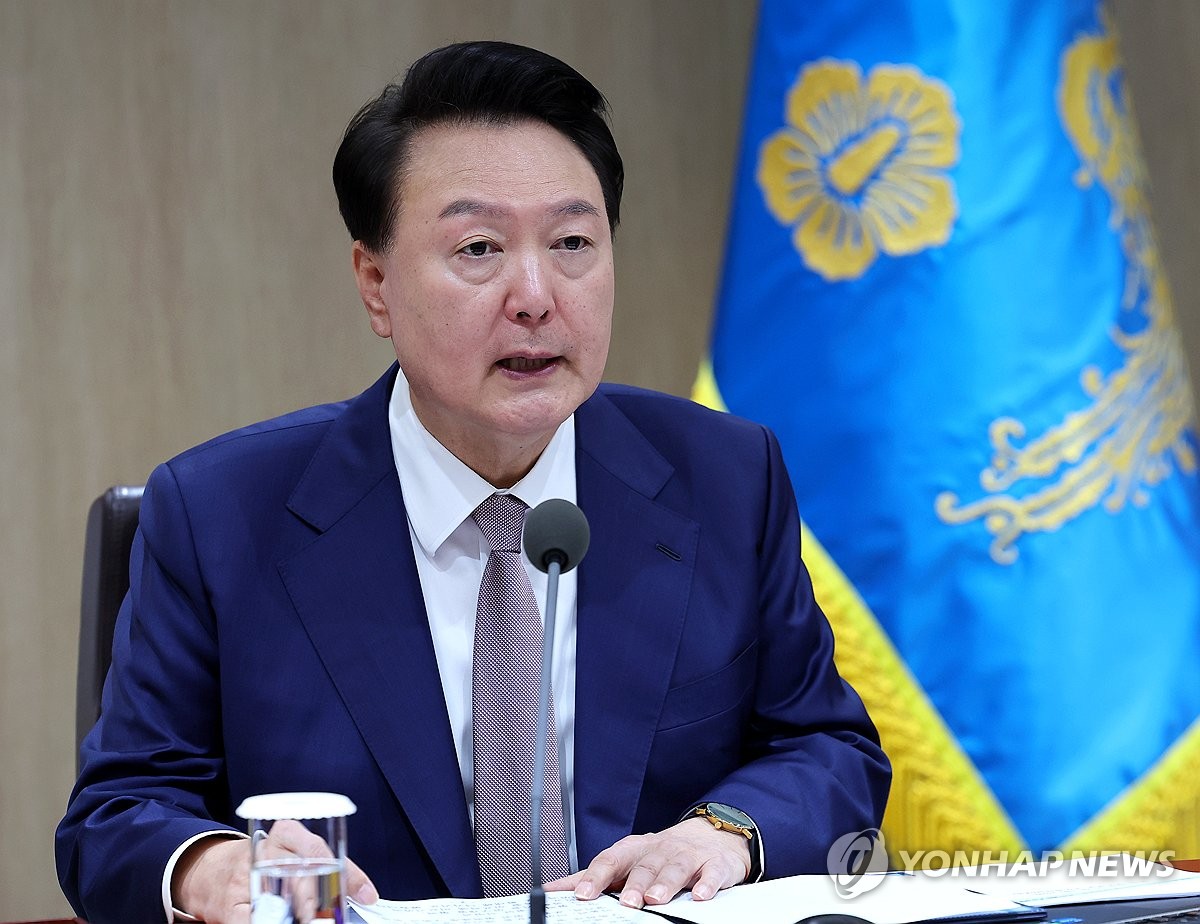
point(488, 82)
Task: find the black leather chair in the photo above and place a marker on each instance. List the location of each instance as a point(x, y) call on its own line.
point(111, 523)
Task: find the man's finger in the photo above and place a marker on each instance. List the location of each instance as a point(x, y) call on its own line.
point(359, 886)
point(673, 877)
point(642, 876)
point(292, 837)
point(238, 914)
point(714, 877)
point(610, 867)
point(564, 883)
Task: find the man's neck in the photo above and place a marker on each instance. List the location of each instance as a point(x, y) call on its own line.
point(501, 470)
point(499, 460)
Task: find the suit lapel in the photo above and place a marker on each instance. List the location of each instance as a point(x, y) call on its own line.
point(632, 602)
point(357, 592)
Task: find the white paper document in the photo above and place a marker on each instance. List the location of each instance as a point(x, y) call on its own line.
point(561, 908)
point(898, 898)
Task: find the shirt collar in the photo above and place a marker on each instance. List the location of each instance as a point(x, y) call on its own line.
point(440, 491)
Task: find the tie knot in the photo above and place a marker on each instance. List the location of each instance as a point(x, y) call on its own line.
point(501, 517)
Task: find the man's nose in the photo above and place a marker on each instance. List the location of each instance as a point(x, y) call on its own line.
point(529, 298)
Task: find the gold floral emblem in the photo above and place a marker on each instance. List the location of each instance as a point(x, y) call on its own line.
point(861, 169)
point(1135, 432)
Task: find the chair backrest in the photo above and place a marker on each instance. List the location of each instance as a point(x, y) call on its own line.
point(111, 523)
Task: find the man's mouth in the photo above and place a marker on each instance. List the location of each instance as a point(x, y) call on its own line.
point(527, 364)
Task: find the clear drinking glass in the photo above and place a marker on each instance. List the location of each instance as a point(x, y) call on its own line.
point(297, 856)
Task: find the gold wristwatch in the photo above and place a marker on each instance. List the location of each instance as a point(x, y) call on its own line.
point(727, 818)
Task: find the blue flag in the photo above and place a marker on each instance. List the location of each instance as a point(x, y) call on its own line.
point(942, 291)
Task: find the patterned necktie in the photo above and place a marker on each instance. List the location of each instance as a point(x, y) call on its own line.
point(504, 696)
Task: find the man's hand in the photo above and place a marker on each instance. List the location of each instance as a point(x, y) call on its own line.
point(212, 879)
point(651, 869)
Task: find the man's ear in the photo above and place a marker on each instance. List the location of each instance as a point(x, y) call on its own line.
point(368, 273)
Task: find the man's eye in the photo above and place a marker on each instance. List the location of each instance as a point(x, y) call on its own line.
point(574, 242)
point(477, 249)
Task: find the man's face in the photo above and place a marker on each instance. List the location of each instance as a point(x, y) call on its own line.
point(497, 291)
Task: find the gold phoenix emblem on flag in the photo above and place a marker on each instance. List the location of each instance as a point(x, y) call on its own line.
point(861, 168)
point(1134, 434)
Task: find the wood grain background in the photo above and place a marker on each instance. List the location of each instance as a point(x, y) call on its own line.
point(172, 263)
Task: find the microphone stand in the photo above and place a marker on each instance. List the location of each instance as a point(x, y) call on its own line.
point(555, 540)
point(537, 896)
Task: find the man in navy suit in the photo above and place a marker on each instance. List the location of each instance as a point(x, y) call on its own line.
point(302, 596)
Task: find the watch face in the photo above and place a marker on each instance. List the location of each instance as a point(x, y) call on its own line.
point(730, 815)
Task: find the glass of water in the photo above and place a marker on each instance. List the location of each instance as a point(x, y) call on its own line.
point(297, 856)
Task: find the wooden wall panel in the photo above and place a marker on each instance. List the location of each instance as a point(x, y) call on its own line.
point(1161, 44)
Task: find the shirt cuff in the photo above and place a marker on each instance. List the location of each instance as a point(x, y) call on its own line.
point(170, 912)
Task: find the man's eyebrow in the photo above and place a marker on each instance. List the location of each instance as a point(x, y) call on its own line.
point(474, 207)
point(470, 207)
point(577, 207)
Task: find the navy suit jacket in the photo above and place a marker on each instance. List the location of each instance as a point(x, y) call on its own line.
point(275, 638)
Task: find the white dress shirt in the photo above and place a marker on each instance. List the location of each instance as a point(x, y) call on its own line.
point(440, 493)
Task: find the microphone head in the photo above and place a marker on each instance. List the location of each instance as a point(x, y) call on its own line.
point(556, 530)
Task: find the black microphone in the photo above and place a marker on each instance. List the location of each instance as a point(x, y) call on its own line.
point(556, 531)
point(555, 540)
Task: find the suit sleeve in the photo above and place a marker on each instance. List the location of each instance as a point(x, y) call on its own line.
point(152, 768)
point(815, 770)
